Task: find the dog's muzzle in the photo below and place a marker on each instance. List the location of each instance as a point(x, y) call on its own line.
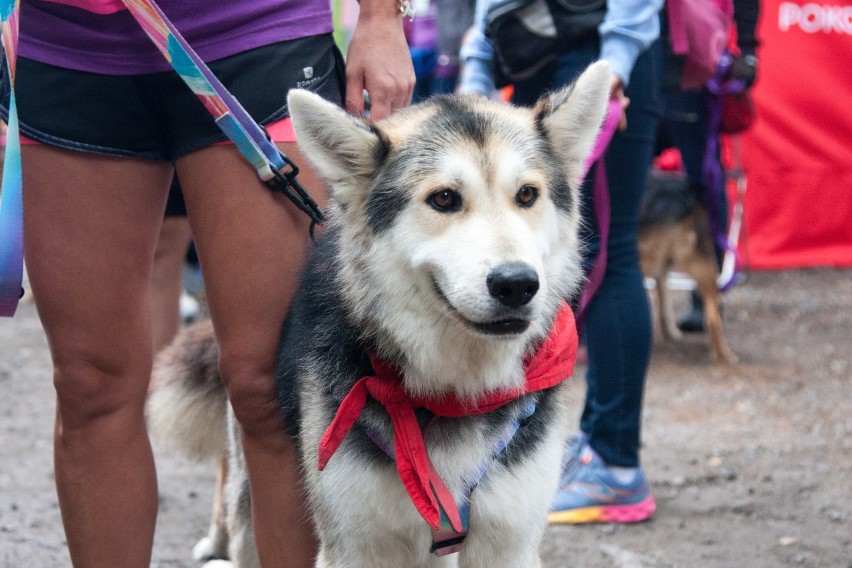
point(513, 284)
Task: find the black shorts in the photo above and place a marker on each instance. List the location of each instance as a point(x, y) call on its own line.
point(175, 205)
point(156, 115)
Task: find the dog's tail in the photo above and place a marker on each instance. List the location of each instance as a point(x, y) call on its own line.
point(187, 402)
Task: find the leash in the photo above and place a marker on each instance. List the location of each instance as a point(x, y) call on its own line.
point(600, 196)
point(273, 167)
point(711, 170)
point(11, 198)
point(731, 262)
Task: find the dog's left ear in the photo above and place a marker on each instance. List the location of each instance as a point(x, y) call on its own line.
point(344, 149)
point(571, 117)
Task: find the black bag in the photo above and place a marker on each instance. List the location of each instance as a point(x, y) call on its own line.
point(529, 34)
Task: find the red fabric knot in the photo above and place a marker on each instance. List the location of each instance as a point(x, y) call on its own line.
point(551, 364)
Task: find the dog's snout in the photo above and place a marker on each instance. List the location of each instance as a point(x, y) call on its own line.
point(513, 284)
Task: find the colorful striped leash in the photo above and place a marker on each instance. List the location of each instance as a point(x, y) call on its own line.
point(273, 167)
point(11, 203)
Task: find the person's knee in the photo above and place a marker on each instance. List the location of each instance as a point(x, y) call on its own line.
point(252, 392)
point(90, 388)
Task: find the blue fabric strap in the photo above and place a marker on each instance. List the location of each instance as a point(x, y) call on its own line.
point(11, 199)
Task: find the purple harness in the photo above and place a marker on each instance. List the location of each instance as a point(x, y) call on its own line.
point(446, 539)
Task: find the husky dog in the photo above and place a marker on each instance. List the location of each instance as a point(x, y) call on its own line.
point(410, 364)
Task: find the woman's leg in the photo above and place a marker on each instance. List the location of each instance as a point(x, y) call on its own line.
point(618, 324)
point(251, 244)
point(689, 112)
point(91, 226)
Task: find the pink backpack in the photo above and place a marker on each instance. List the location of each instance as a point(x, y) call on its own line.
point(698, 29)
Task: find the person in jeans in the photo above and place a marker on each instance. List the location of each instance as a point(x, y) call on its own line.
point(687, 116)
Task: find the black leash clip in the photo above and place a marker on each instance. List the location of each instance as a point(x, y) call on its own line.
point(285, 182)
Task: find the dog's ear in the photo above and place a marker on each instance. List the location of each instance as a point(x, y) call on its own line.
point(572, 116)
point(343, 148)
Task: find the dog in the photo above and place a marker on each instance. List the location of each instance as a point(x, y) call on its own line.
point(674, 232)
point(405, 361)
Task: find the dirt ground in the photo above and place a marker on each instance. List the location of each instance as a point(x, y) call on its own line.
point(751, 464)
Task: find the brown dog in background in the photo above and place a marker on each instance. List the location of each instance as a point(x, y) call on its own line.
point(674, 233)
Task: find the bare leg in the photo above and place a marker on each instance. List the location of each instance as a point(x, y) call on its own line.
point(251, 243)
point(169, 259)
point(91, 226)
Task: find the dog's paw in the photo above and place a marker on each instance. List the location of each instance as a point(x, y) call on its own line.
point(727, 357)
point(205, 549)
point(671, 333)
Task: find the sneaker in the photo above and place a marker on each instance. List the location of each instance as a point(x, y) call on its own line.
point(571, 460)
point(594, 495)
point(691, 319)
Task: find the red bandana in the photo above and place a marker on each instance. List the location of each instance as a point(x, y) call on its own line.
point(549, 366)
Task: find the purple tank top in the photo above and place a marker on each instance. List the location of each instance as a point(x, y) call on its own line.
point(114, 44)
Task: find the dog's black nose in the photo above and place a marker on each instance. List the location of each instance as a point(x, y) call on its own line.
point(513, 284)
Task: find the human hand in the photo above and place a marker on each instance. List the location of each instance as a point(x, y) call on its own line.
point(379, 61)
point(744, 67)
point(616, 91)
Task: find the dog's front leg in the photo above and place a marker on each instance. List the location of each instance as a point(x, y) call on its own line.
point(509, 510)
point(385, 557)
point(364, 517)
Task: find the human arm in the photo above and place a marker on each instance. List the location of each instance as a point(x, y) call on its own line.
point(378, 61)
point(628, 29)
point(477, 57)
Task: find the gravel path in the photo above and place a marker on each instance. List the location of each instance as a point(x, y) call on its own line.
point(751, 464)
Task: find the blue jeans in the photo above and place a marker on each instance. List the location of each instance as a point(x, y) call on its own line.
point(617, 324)
point(687, 113)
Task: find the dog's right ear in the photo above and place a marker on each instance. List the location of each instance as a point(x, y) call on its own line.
point(572, 116)
point(343, 148)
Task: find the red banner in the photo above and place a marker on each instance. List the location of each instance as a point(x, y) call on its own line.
point(798, 155)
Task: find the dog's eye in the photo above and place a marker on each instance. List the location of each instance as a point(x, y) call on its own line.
point(445, 201)
point(526, 196)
